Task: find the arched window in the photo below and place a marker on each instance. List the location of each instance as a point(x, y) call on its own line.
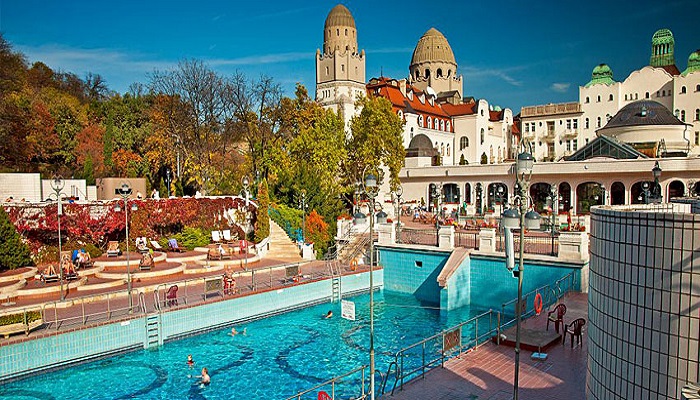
point(420, 121)
point(463, 142)
point(697, 114)
point(697, 88)
point(447, 126)
point(636, 96)
point(611, 97)
point(683, 115)
point(448, 150)
point(327, 71)
point(337, 32)
point(346, 32)
point(442, 149)
point(482, 112)
point(587, 123)
point(399, 113)
point(427, 73)
point(588, 100)
point(442, 124)
point(438, 73)
point(430, 123)
point(683, 90)
point(646, 95)
point(482, 135)
point(411, 133)
point(597, 125)
point(607, 117)
point(658, 93)
point(625, 97)
point(598, 100)
point(663, 93)
point(491, 154)
point(417, 74)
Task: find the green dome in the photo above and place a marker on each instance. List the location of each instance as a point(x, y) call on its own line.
point(601, 74)
point(693, 62)
point(662, 36)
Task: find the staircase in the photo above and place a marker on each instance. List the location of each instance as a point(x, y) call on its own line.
point(281, 246)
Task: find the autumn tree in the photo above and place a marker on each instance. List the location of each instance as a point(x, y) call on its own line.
point(377, 140)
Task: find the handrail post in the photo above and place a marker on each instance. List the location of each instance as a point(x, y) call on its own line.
point(109, 312)
point(476, 333)
point(498, 332)
point(55, 315)
point(82, 306)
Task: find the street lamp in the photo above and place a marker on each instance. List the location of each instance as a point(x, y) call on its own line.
point(524, 220)
point(370, 189)
point(57, 184)
point(479, 192)
point(124, 192)
point(656, 191)
point(167, 179)
point(553, 197)
point(302, 206)
point(397, 194)
point(246, 182)
point(437, 198)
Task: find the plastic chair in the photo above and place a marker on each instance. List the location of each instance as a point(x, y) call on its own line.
point(171, 296)
point(575, 329)
point(556, 316)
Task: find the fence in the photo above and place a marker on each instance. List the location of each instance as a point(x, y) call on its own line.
point(535, 243)
point(110, 306)
point(427, 237)
point(468, 239)
point(348, 383)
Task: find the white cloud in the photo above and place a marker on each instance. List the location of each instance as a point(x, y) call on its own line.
point(560, 87)
point(504, 74)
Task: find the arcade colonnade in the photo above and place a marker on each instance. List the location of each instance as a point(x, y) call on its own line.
point(580, 184)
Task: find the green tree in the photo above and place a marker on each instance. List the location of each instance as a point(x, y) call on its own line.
point(88, 170)
point(377, 139)
point(14, 253)
point(262, 228)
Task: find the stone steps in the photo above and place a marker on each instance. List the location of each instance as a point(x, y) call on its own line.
point(281, 246)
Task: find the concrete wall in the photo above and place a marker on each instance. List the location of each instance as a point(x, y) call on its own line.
point(106, 187)
point(413, 271)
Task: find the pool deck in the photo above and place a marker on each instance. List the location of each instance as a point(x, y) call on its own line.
point(487, 372)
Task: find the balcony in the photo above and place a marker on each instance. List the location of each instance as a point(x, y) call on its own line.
point(550, 109)
point(549, 136)
point(569, 134)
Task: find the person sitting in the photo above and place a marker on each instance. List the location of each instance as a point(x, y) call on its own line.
point(83, 259)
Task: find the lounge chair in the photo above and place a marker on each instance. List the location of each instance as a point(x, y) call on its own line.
point(156, 246)
point(113, 249)
point(49, 274)
point(219, 252)
point(575, 329)
point(227, 236)
point(171, 296)
point(174, 247)
point(215, 236)
point(146, 262)
point(556, 316)
point(142, 245)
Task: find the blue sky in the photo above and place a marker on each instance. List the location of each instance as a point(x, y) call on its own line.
point(513, 53)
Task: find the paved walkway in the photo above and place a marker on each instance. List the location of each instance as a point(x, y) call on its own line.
point(487, 373)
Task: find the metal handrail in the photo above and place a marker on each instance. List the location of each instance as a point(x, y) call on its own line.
point(425, 365)
point(555, 288)
point(332, 382)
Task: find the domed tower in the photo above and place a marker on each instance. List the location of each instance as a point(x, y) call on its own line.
point(340, 69)
point(433, 64)
point(662, 49)
point(601, 74)
point(693, 63)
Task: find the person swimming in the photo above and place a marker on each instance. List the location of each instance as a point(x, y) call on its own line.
point(329, 315)
point(190, 361)
point(234, 332)
point(205, 379)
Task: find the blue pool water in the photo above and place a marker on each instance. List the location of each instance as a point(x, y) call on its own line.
point(278, 357)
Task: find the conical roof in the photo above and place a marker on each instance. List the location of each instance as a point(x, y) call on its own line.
point(433, 46)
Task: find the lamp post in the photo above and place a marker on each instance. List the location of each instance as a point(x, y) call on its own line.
point(398, 193)
point(167, 179)
point(656, 191)
point(437, 198)
point(479, 193)
point(370, 189)
point(125, 191)
point(524, 220)
point(302, 206)
point(553, 197)
point(246, 182)
point(57, 184)
point(646, 193)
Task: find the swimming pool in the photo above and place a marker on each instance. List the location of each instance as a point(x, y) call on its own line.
point(277, 357)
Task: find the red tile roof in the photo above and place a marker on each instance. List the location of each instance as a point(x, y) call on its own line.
point(459, 109)
point(495, 115)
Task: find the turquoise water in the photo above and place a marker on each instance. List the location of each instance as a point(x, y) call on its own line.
point(278, 357)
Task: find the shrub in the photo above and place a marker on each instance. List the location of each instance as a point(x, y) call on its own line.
point(19, 318)
point(262, 228)
point(14, 253)
point(190, 238)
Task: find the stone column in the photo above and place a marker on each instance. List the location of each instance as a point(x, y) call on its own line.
point(487, 240)
point(573, 246)
point(446, 236)
point(386, 233)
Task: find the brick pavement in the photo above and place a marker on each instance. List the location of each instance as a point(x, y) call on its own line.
point(487, 373)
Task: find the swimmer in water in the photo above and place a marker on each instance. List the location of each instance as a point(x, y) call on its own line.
point(205, 379)
point(234, 332)
point(329, 315)
point(190, 361)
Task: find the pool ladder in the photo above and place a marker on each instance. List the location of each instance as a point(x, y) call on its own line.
point(337, 292)
point(153, 338)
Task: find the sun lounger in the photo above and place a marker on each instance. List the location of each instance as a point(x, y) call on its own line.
point(113, 249)
point(146, 262)
point(49, 274)
point(220, 252)
point(216, 236)
point(174, 247)
point(156, 246)
point(227, 236)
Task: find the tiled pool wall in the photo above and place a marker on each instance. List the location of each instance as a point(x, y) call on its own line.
point(643, 328)
point(411, 271)
point(478, 281)
point(63, 349)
